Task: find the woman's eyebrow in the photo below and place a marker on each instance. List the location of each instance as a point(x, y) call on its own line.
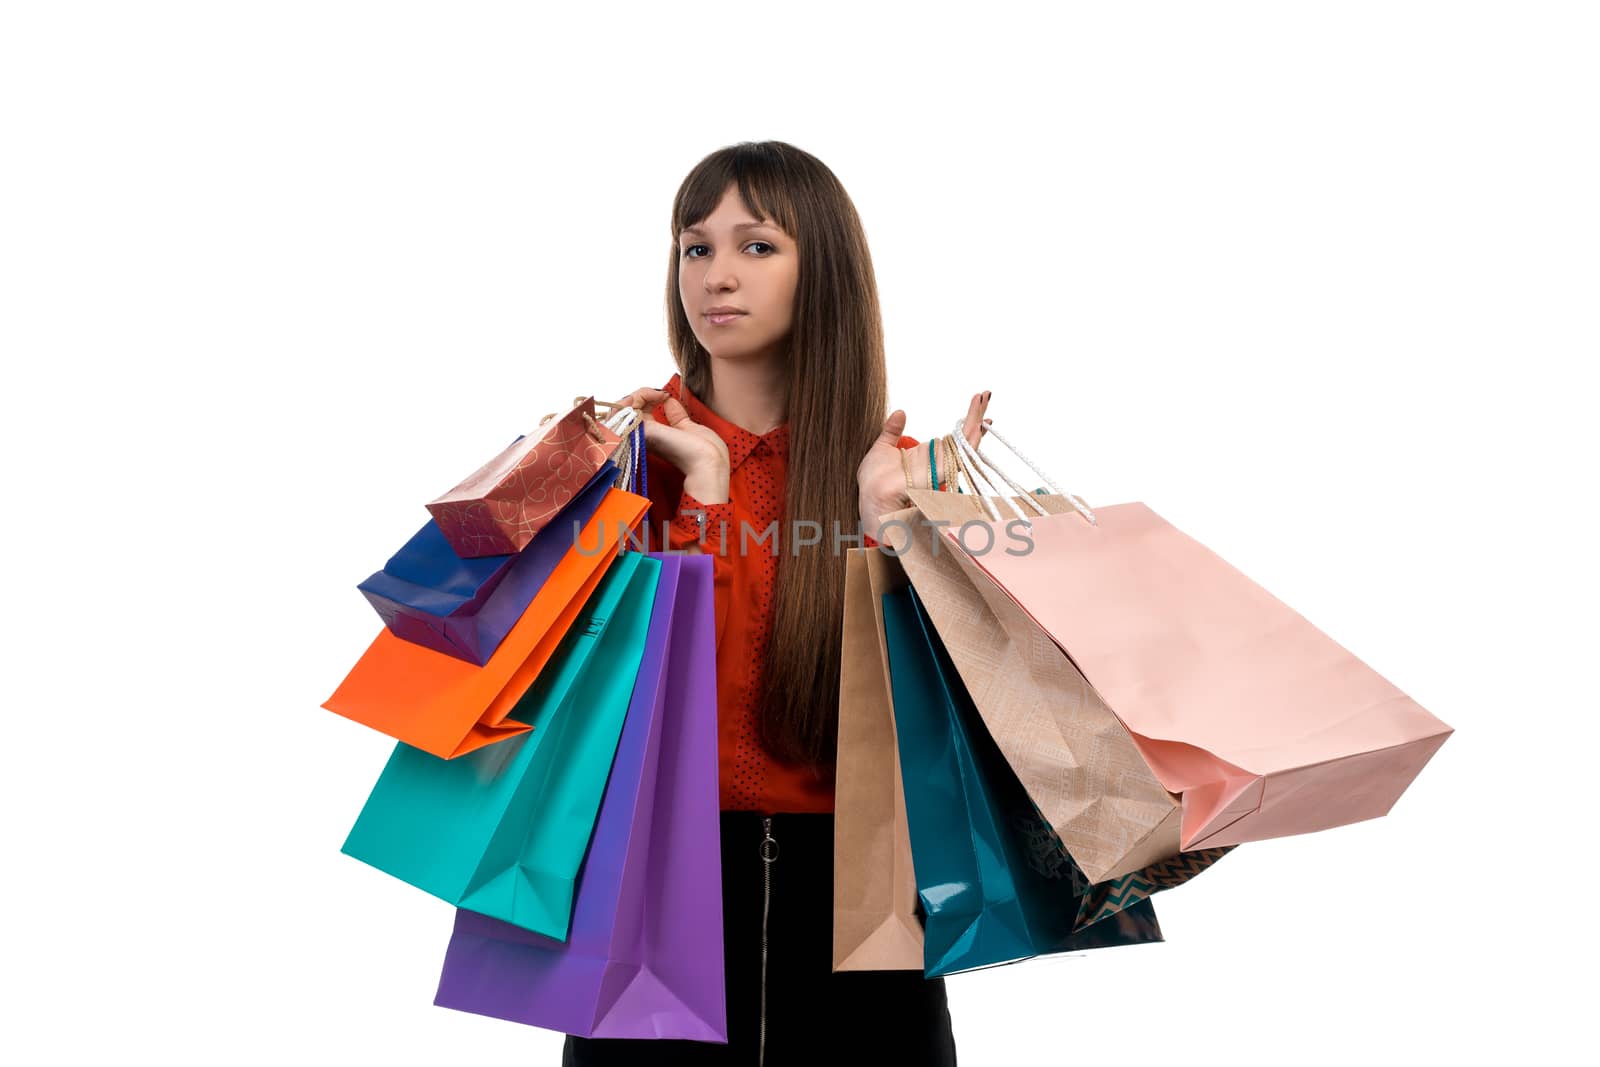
point(698, 232)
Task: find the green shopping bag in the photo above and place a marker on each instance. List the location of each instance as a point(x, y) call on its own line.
point(502, 830)
point(992, 888)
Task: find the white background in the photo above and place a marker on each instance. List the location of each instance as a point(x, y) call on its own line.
point(1315, 281)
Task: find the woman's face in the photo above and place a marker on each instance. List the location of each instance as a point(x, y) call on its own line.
point(732, 259)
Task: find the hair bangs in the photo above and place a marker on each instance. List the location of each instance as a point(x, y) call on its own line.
point(758, 173)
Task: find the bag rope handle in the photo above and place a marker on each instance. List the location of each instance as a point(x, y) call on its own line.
point(970, 457)
point(976, 455)
point(965, 472)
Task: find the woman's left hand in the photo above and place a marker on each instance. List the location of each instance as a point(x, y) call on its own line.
point(881, 478)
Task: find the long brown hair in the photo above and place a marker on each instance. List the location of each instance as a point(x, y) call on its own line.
point(838, 390)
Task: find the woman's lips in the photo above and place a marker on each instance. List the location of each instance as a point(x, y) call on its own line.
point(723, 320)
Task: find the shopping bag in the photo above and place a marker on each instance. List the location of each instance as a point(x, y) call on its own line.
point(1073, 756)
point(992, 888)
point(499, 508)
point(1263, 723)
point(449, 707)
point(429, 595)
point(876, 921)
point(644, 958)
point(1067, 752)
point(503, 830)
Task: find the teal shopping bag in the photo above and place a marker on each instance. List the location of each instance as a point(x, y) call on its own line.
point(995, 885)
point(502, 830)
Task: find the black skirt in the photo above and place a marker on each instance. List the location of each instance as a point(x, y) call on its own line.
point(812, 1015)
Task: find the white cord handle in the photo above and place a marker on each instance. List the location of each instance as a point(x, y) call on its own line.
point(973, 473)
point(978, 461)
point(978, 455)
point(970, 474)
point(621, 420)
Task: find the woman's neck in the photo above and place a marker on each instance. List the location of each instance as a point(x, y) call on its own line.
point(752, 395)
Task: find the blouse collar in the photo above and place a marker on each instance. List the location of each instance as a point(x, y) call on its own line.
point(740, 441)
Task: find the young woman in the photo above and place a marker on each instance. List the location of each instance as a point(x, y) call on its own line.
point(766, 450)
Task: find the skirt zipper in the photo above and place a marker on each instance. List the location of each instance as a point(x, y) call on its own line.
point(769, 856)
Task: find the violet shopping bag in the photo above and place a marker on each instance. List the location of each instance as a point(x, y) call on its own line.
point(503, 829)
point(430, 595)
point(644, 958)
point(1263, 723)
point(994, 884)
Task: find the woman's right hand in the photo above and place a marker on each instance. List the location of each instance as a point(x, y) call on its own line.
point(692, 447)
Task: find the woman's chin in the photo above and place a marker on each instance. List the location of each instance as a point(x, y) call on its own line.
point(721, 349)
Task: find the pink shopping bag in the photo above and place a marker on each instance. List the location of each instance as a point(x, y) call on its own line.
point(1264, 724)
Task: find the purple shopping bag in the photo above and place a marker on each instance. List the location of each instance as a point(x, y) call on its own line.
point(643, 958)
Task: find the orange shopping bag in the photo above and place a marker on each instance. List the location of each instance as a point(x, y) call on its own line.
point(448, 706)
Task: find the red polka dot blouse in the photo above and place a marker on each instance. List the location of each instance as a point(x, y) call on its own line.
point(750, 779)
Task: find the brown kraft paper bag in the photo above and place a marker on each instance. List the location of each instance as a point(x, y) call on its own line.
point(875, 923)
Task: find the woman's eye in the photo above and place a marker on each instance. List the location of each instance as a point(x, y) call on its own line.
point(687, 252)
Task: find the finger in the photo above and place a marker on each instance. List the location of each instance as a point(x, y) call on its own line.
point(645, 398)
point(893, 428)
point(677, 414)
point(972, 427)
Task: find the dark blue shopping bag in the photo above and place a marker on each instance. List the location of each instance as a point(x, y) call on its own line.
point(464, 608)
